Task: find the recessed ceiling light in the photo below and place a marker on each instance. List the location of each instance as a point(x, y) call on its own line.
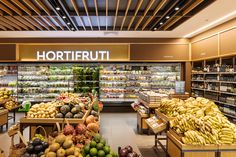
point(161, 23)
point(72, 29)
point(155, 29)
point(57, 8)
point(177, 8)
point(68, 23)
point(167, 17)
point(63, 17)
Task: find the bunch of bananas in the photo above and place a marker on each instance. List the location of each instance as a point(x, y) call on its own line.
point(204, 124)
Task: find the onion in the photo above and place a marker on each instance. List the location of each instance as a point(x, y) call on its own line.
point(123, 152)
point(129, 148)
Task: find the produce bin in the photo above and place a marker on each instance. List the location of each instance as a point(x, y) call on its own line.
point(142, 125)
point(4, 117)
point(175, 148)
point(227, 150)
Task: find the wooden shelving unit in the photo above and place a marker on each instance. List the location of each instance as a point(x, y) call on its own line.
point(215, 79)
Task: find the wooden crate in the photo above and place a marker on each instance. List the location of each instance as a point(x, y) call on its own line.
point(75, 121)
point(141, 123)
point(180, 96)
point(3, 117)
point(227, 150)
point(157, 125)
point(163, 116)
point(175, 148)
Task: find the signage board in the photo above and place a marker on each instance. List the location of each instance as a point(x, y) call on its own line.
point(73, 52)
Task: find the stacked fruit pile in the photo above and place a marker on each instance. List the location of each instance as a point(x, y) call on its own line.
point(43, 110)
point(201, 122)
point(71, 111)
point(5, 94)
point(10, 104)
point(35, 148)
point(98, 147)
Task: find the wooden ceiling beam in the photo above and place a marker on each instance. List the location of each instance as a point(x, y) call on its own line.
point(42, 23)
point(17, 22)
point(160, 5)
point(106, 14)
point(10, 23)
point(1, 13)
point(5, 9)
point(56, 21)
point(175, 14)
point(49, 22)
point(12, 7)
point(6, 25)
point(96, 10)
point(86, 10)
point(20, 5)
point(77, 12)
point(166, 13)
point(117, 9)
point(3, 28)
point(145, 12)
point(32, 6)
point(43, 6)
point(191, 7)
point(126, 12)
point(22, 20)
point(136, 12)
point(29, 19)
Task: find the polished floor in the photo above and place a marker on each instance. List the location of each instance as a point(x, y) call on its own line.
point(119, 129)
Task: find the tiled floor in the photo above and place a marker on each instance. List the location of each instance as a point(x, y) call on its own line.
point(119, 129)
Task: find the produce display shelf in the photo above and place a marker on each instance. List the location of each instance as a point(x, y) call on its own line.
point(163, 116)
point(230, 82)
point(198, 89)
point(85, 81)
point(149, 104)
point(212, 81)
point(44, 80)
point(197, 80)
point(224, 103)
point(118, 99)
point(108, 81)
point(41, 120)
point(209, 90)
point(228, 93)
point(229, 115)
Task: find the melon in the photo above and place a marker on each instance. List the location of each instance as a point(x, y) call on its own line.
point(65, 109)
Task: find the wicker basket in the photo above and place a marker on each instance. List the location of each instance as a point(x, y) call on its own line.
point(16, 151)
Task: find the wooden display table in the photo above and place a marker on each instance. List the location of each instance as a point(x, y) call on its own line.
point(176, 148)
point(13, 111)
point(141, 123)
point(3, 118)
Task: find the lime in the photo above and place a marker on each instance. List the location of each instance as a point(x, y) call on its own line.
point(93, 151)
point(103, 141)
point(87, 155)
point(97, 138)
point(86, 149)
point(101, 153)
point(113, 154)
point(100, 146)
point(93, 144)
point(106, 149)
point(108, 155)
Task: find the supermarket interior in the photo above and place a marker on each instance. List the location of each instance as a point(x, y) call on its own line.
point(117, 78)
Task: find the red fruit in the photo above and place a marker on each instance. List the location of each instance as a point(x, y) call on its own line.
point(68, 130)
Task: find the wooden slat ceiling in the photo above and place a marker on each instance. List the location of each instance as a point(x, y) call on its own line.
point(83, 15)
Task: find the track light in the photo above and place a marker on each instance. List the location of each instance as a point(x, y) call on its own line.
point(177, 8)
point(64, 17)
point(161, 23)
point(155, 29)
point(68, 23)
point(57, 8)
point(167, 17)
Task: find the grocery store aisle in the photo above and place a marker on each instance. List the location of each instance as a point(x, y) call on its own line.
point(119, 129)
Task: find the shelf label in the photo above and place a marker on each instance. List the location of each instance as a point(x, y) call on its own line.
point(102, 55)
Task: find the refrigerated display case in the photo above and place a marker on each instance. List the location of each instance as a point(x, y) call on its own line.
point(122, 82)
